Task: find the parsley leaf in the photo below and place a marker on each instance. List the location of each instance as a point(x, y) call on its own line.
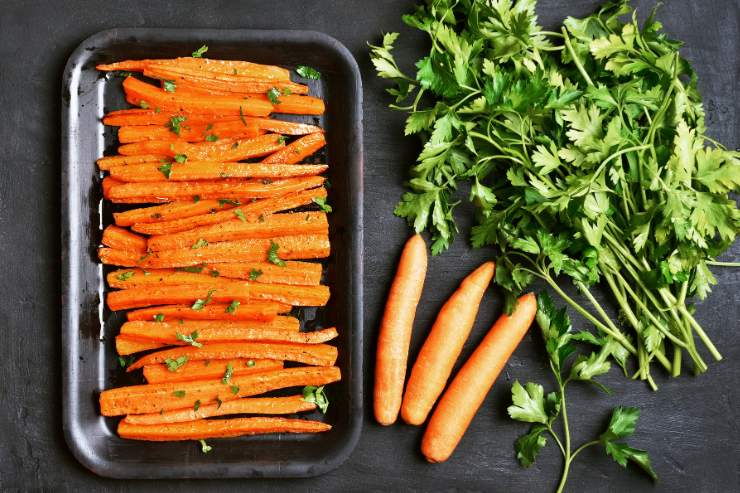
point(254, 274)
point(322, 203)
point(169, 85)
point(272, 255)
point(273, 94)
point(227, 374)
point(211, 138)
point(166, 170)
point(307, 72)
point(199, 244)
point(175, 124)
point(200, 52)
point(175, 364)
point(159, 317)
point(179, 393)
point(316, 395)
point(199, 304)
point(240, 214)
point(125, 276)
point(233, 306)
point(204, 447)
point(189, 338)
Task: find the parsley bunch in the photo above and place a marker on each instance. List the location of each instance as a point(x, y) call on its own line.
point(531, 405)
point(585, 154)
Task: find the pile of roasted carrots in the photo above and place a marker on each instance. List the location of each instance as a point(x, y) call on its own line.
point(211, 273)
point(436, 359)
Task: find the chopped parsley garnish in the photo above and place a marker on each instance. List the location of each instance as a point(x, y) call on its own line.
point(227, 374)
point(223, 202)
point(169, 85)
point(175, 364)
point(215, 273)
point(196, 198)
point(282, 139)
point(194, 269)
point(199, 244)
point(232, 307)
point(159, 317)
point(175, 126)
point(180, 158)
point(200, 52)
point(317, 396)
point(273, 94)
point(144, 257)
point(189, 339)
point(179, 393)
point(307, 72)
point(125, 276)
point(143, 104)
point(241, 116)
point(199, 304)
point(254, 274)
point(204, 447)
point(196, 406)
point(234, 389)
point(218, 402)
point(211, 138)
point(240, 214)
point(125, 361)
point(272, 255)
point(250, 363)
point(166, 170)
point(287, 91)
point(322, 203)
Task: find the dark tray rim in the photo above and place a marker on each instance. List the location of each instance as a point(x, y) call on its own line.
point(73, 433)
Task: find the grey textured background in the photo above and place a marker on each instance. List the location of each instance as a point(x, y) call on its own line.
point(690, 426)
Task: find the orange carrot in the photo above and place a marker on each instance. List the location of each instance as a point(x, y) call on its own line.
point(171, 212)
point(161, 191)
point(468, 389)
point(294, 104)
point(248, 69)
point(205, 369)
point(395, 330)
point(123, 239)
point(128, 345)
point(224, 331)
point(251, 211)
point(254, 310)
point(248, 405)
point(189, 133)
point(146, 329)
point(210, 170)
point(218, 428)
point(107, 184)
point(153, 397)
point(220, 81)
point(107, 162)
point(242, 292)
point(292, 223)
point(250, 250)
point(298, 273)
point(220, 150)
point(138, 91)
point(298, 150)
point(443, 345)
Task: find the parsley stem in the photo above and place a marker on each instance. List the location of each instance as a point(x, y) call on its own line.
point(575, 58)
point(557, 439)
point(583, 447)
point(722, 264)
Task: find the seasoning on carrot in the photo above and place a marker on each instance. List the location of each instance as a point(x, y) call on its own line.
point(434, 363)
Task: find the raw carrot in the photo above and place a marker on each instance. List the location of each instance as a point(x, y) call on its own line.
point(220, 81)
point(468, 389)
point(128, 345)
point(292, 223)
point(251, 211)
point(248, 405)
point(138, 91)
point(251, 250)
point(254, 310)
point(205, 369)
point(171, 212)
point(214, 189)
point(224, 331)
point(123, 239)
point(220, 150)
point(107, 162)
point(395, 330)
point(249, 69)
point(242, 292)
point(443, 345)
point(298, 150)
point(211, 170)
point(219, 428)
point(189, 133)
point(153, 397)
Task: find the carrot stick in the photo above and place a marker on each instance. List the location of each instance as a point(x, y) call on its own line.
point(468, 389)
point(153, 397)
point(225, 82)
point(221, 150)
point(210, 170)
point(224, 331)
point(395, 330)
point(248, 405)
point(123, 239)
point(138, 91)
point(107, 162)
point(107, 184)
point(254, 310)
point(139, 117)
point(215, 189)
point(219, 428)
point(296, 273)
point(443, 345)
point(248, 69)
point(293, 104)
point(171, 212)
point(292, 223)
point(250, 210)
point(190, 133)
point(205, 369)
point(146, 329)
point(242, 292)
point(250, 250)
point(127, 345)
point(298, 150)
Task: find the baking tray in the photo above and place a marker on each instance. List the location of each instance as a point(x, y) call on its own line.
point(89, 362)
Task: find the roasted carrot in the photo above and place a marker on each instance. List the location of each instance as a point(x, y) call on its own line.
point(107, 184)
point(251, 250)
point(468, 389)
point(293, 223)
point(251, 211)
point(123, 239)
point(128, 345)
point(166, 213)
point(212, 170)
point(138, 117)
point(395, 330)
point(298, 150)
point(107, 162)
point(242, 292)
point(248, 405)
point(189, 133)
point(443, 345)
point(220, 150)
point(220, 81)
point(138, 91)
point(205, 369)
point(219, 428)
point(254, 310)
point(224, 331)
point(147, 329)
point(153, 397)
point(248, 69)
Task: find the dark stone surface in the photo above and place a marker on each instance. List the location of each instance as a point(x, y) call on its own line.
point(690, 426)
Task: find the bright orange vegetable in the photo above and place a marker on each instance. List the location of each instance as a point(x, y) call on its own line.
point(220, 150)
point(190, 133)
point(107, 162)
point(212, 170)
point(220, 81)
point(468, 389)
point(247, 69)
point(298, 150)
point(123, 239)
point(434, 363)
point(127, 345)
point(254, 310)
point(171, 212)
point(395, 330)
point(205, 369)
